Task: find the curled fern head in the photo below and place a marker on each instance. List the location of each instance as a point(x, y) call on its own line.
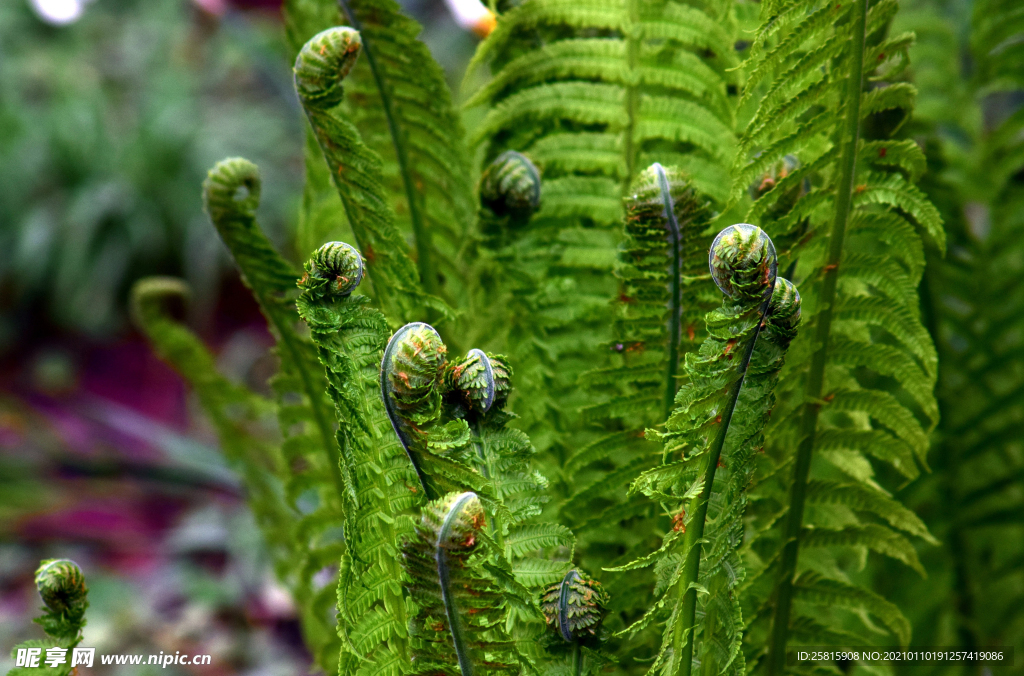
point(510, 186)
point(646, 199)
point(784, 307)
point(61, 585)
point(335, 269)
point(575, 606)
point(481, 379)
point(323, 63)
point(456, 519)
point(743, 262)
point(232, 189)
point(412, 371)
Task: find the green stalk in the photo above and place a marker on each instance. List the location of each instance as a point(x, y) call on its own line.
point(682, 638)
point(424, 254)
point(674, 321)
point(577, 659)
point(816, 376)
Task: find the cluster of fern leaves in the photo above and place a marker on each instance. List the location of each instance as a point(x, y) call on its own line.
point(511, 397)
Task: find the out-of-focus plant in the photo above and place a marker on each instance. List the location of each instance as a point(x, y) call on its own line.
point(969, 66)
point(106, 127)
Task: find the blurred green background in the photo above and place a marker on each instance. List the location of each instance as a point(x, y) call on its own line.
point(111, 111)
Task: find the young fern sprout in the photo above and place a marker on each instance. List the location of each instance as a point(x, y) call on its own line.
point(61, 585)
point(718, 421)
point(510, 187)
point(575, 608)
point(457, 627)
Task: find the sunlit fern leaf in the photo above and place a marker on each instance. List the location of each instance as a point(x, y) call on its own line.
point(874, 362)
point(315, 484)
point(356, 170)
point(458, 626)
point(350, 336)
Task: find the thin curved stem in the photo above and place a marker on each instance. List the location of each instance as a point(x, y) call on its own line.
point(816, 375)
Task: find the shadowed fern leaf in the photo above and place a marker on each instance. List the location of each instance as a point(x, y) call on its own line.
point(859, 385)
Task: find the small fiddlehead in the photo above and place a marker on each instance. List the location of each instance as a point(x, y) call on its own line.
point(510, 187)
point(336, 269)
point(62, 587)
point(457, 628)
point(575, 608)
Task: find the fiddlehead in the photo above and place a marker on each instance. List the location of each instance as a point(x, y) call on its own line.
point(62, 587)
point(574, 609)
point(458, 627)
point(510, 187)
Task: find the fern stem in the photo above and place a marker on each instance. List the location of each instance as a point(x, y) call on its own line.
point(577, 659)
point(443, 574)
point(816, 376)
point(424, 256)
point(675, 320)
point(682, 639)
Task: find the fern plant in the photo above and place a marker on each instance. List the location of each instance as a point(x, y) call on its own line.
point(663, 466)
point(62, 587)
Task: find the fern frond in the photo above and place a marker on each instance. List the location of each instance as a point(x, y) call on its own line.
point(356, 170)
point(718, 422)
point(869, 366)
point(350, 337)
